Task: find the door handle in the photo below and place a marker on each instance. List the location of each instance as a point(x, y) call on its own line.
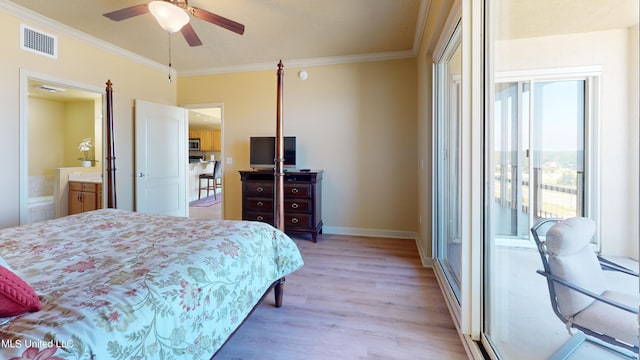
point(140, 174)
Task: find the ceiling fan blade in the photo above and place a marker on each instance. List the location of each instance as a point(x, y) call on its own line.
point(190, 35)
point(127, 12)
point(218, 20)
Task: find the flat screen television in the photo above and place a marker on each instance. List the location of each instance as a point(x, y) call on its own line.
point(262, 150)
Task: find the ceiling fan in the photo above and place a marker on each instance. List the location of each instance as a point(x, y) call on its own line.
point(173, 15)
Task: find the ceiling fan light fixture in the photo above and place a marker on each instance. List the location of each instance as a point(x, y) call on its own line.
point(170, 17)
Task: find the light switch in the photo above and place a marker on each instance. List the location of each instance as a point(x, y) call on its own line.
point(229, 160)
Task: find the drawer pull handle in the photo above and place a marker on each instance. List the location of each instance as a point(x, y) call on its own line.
point(294, 206)
point(260, 203)
point(295, 190)
point(259, 189)
point(294, 220)
point(259, 218)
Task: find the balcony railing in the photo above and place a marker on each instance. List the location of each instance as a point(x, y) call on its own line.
point(550, 200)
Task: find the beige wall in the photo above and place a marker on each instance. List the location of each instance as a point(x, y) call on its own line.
point(77, 63)
point(55, 130)
point(78, 125)
point(618, 141)
point(356, 121)
point(46, 136)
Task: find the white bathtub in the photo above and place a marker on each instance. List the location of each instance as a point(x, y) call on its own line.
point(41, 208)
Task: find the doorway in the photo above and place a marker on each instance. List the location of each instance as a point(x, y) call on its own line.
point(56, 116)
point(205, 129)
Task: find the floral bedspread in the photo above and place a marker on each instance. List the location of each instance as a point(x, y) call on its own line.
point(116, 284)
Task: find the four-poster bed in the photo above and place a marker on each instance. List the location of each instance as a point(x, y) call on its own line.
point(115, 284)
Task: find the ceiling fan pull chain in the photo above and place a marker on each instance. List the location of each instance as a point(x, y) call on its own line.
point(170, 79)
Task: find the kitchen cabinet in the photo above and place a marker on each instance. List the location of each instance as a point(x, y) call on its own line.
point(217, 140)
point(84, 196)
point(206, 140)
point(210, 140)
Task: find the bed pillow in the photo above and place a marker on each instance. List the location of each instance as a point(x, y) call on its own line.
point(16, 296)
point(3, 262)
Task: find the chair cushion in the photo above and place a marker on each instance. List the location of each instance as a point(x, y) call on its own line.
point(572, 259)
point(570, 235)
point(582, 269)
point(607, 319)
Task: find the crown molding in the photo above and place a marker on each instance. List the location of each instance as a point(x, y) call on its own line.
point(421, 24)
point(453, 19)
point(51, 25)
point(295, 63)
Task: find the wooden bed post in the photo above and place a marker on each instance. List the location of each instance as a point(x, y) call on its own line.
point(279, 175)
point(279, 160)
point(110, 158)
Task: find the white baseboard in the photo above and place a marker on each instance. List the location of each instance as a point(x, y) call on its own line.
point(339, 230)
point(394, 234)
point(426, 261)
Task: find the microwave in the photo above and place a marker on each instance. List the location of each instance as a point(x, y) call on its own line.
point(194, 144)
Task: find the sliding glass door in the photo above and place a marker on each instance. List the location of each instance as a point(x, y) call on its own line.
point(552, 93)
point(447, 192)
point(538, 157)
point(539, 154)
point(541, 124)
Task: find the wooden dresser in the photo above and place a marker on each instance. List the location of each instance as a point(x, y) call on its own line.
point(302, 199)
point(84, 196)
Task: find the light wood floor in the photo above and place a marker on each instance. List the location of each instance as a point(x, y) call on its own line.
point(355, 298)
point(213, 212)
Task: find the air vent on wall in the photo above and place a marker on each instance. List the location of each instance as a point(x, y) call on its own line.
point(38, 42)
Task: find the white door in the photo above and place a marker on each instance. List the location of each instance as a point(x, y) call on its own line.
point(160, 159)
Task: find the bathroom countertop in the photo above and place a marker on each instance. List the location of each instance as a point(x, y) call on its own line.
point(88, 180)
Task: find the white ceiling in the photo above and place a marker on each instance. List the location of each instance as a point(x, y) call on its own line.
point(274, 30)
point(302, 31)
point(209, 117)
point(309, 31)
point(534, 18)
point(61, 93)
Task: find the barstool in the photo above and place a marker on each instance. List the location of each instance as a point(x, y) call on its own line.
point(211, 180)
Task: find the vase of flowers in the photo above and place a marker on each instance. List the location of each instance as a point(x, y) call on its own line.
point(84, 147)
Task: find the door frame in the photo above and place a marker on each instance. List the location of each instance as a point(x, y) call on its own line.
point(206, 106)
point(23, 129)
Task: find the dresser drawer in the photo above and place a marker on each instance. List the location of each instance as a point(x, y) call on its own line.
point(259, 188)
point(295, 220)
point(81, 186)
point(256, 216)
point(297, 190)
point(302, 192)
point(297, 205)
point(265, 204)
